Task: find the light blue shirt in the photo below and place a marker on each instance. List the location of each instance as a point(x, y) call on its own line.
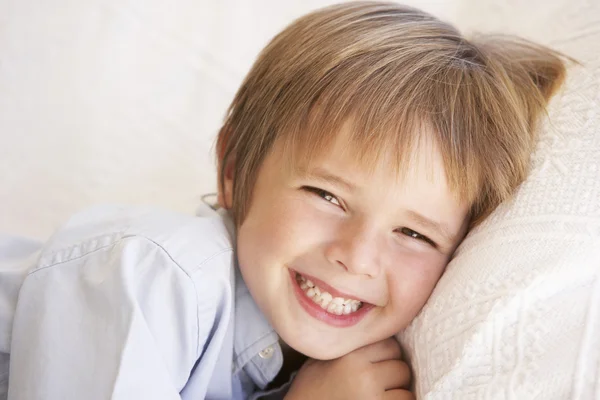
point(132, 303)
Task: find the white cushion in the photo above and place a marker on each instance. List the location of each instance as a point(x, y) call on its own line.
point(517, 314)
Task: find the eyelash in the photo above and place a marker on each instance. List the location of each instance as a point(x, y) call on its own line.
point(324, 194)
point(327, 196)
point(417, 236)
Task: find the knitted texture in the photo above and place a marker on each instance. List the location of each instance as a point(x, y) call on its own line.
point(517, 313)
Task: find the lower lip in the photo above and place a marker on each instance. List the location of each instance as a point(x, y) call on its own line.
point(317, 312)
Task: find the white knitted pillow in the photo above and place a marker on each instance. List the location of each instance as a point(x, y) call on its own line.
point(517, 314)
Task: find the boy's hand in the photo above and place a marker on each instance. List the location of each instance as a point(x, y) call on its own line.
point(371, 372)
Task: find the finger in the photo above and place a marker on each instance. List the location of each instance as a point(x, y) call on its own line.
point(398, 394)
point(388, 349)
point(392, 374)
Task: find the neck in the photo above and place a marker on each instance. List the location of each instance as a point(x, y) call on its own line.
point(292, 361)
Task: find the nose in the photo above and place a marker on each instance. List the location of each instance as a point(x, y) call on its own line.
point(356, 248)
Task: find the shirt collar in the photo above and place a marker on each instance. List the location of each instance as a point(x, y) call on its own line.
point(256, 346)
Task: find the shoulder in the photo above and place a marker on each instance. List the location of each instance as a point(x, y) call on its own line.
point(192, 243)
point(146, 286)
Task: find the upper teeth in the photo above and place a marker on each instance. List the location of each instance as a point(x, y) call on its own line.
point(334, 305)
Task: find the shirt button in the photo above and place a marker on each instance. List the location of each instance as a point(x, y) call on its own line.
point(266, 353)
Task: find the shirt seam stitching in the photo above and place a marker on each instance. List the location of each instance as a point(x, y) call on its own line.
point(120, 239)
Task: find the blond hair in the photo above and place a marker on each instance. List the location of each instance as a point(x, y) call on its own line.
point(393, 70)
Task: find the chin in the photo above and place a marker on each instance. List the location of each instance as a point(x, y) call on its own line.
point(325, 355)
point(314, 347)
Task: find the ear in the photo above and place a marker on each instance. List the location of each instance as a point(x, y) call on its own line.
point(225, 191)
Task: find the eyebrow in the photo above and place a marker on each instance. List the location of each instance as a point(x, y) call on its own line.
point(323, 175)
point(440, 228)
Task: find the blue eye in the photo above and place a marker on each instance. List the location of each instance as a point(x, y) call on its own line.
point(325, 195)
point(416, 235)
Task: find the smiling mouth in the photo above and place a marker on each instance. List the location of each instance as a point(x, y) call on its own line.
point(333, 305)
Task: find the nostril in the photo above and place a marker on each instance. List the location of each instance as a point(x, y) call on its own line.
point(342, 265)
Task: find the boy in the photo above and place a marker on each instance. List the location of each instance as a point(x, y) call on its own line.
point(364, 143)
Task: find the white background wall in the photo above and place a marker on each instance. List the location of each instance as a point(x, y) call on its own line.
point(120, 100)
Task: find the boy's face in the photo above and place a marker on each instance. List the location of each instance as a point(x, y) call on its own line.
point(372, 245)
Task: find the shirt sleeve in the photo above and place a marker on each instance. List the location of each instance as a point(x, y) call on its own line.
point(105, 320)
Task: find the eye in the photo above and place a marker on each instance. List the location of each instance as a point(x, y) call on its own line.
point(325, 195)
point(416, 235)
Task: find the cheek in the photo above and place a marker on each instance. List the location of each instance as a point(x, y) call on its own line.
point(280, 231)
point(412, 280)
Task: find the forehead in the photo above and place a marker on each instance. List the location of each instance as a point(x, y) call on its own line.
point(419, 163)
